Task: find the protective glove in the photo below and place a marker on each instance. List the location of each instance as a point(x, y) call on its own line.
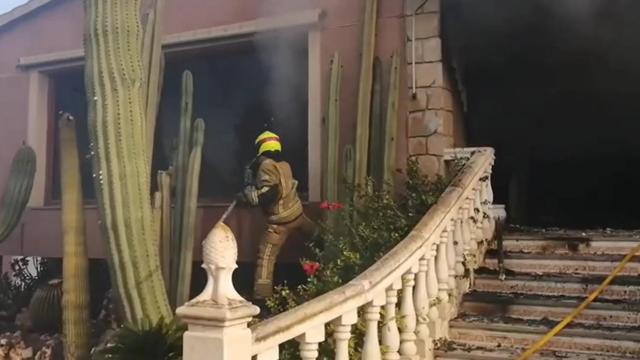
point(251, 195)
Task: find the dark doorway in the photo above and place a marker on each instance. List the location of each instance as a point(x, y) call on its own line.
point(553, 86)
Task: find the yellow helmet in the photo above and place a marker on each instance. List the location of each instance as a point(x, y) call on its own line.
point(268, 141)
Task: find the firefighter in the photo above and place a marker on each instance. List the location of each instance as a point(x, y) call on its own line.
point(269, 183)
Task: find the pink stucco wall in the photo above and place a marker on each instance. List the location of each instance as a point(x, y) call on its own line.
point(59, 26)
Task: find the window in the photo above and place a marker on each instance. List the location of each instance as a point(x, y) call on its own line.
point(238, 87)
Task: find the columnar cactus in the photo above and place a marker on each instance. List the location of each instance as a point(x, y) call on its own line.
point(75, 271)
point(117, 123)
point(184, 177)
point(333, 131)
point(179, 179)
point(348, 169)
point(188, 215)
point(18, 190)
point(376, 141)
point(153, 61)
point(364, 92)
point(391, 122)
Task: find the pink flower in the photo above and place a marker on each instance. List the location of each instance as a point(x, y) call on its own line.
point(311, 268)
point(331, 206)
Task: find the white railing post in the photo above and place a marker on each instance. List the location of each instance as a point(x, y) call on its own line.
point(390, 332)
point(309, 342)
point(217, 318)
point(408, 348)
point(442, 273)
point(432, 292)
point(371, 345)
point(342, 333)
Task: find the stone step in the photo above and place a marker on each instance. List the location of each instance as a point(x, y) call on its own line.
point(563, 264)
point(622, 288)
point(514, 334)
point(564, 244)
point(512, 354)
point(531, 307)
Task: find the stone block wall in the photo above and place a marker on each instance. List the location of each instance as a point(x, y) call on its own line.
point(434, 120)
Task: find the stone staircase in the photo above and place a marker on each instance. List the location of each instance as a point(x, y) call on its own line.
point(548, 274)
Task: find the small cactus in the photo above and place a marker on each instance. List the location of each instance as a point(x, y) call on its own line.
point(45, 308)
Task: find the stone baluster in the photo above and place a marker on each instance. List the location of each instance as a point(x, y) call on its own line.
point(489, 224)
point(371, 346)
point(463, 250)
point(432, 292)
point(421, 304)
point(466, 228)
point(442, 273)
point(473, 226)
point(451, 255)
point(458, 241)
point(408, 347)
point(271, 354)
point(489, 187)
point(451, 259)
point(309, 342)
point(217, 318)
point(390, 332)
point(342, 333)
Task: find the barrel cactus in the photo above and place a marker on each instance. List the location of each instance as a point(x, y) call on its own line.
point(45, 308)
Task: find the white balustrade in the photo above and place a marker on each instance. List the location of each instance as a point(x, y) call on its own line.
point(425, 273)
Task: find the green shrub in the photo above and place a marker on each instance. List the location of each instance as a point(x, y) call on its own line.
point(353, 238)
point(160, 341)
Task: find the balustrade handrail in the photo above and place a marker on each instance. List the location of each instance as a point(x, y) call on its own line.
point(363, 288)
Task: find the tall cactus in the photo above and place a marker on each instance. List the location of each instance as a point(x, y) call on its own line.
point(117, 123)
point(153, 61)
point(391, 122)
point(333, 131)
point(180, 180)
point(18, 190)
point(364, 91)
point(75, 271)
point(376, 125)
point(186, 240)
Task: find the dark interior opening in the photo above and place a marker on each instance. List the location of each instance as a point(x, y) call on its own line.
point(238, 88)
point(553, 87)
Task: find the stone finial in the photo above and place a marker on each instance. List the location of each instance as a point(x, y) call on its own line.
point(219, 256)
point(218, 317)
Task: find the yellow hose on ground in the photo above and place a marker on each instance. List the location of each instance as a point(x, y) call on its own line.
point(542, 342)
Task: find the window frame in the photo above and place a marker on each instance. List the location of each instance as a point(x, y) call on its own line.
point(40, 68)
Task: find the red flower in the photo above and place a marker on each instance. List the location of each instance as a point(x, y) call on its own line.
point(331, 206)
point(311, 268)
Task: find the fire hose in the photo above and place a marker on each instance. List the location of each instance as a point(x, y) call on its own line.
point(567, 320)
